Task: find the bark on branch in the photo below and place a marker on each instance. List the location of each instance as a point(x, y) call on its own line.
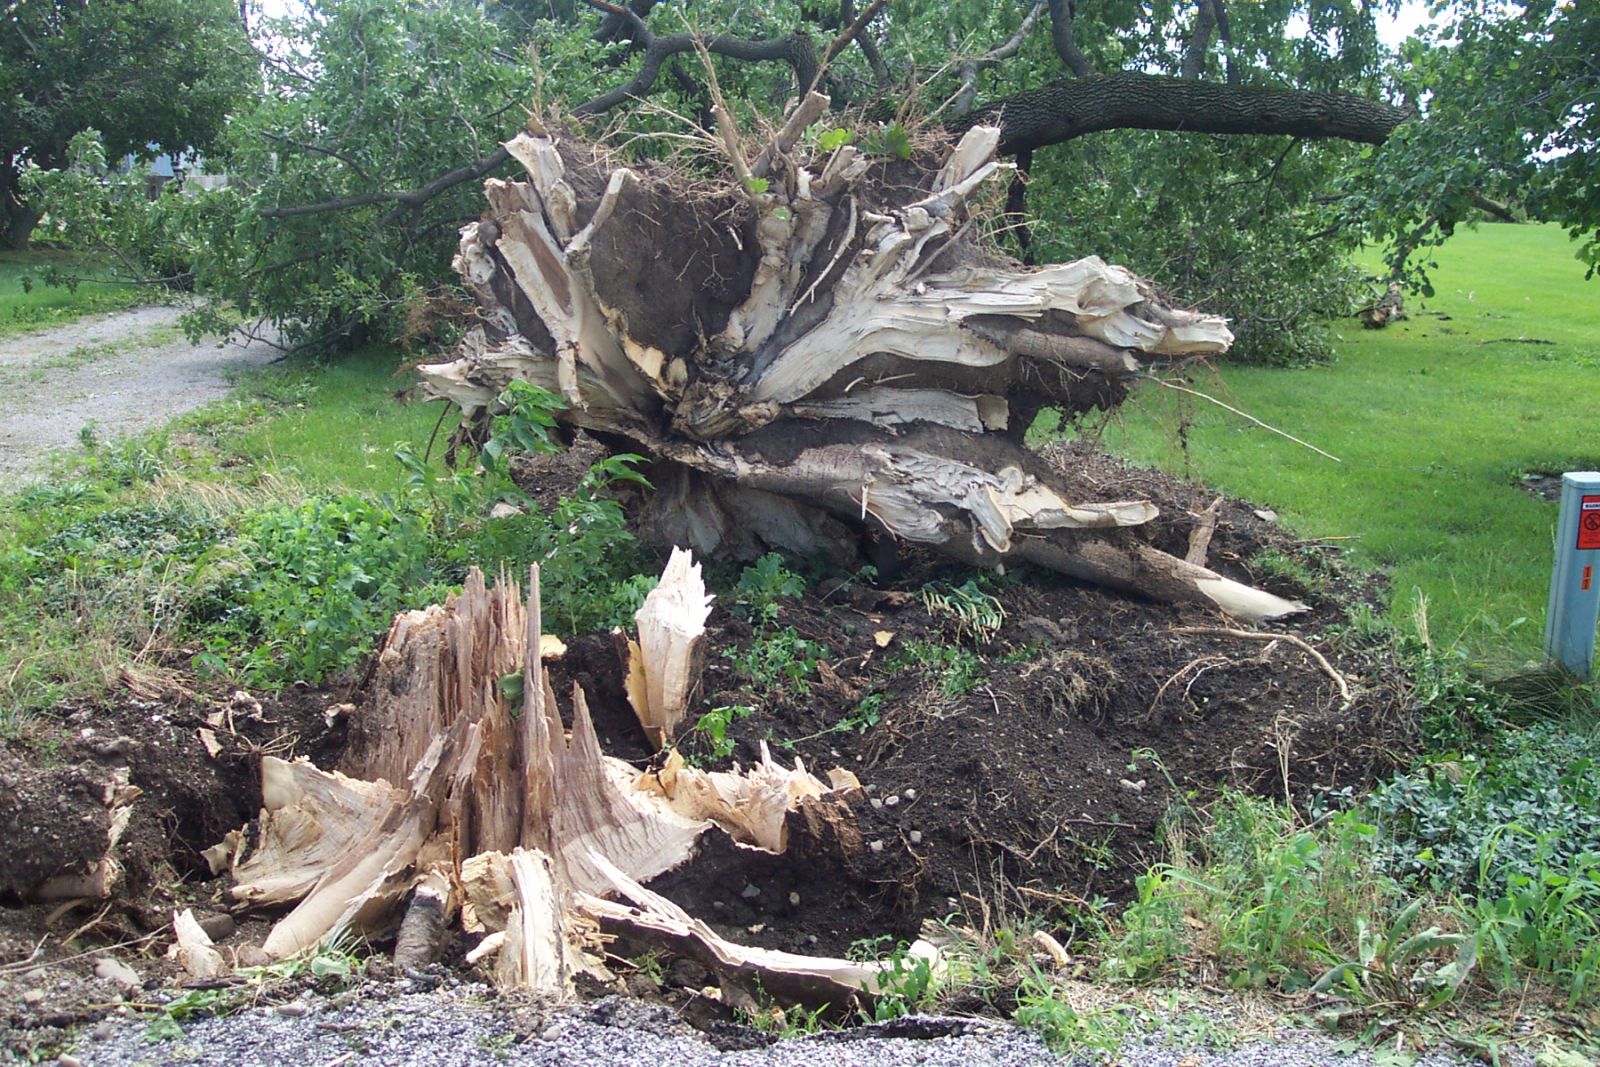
point(1062, 13)
point(1064, 110)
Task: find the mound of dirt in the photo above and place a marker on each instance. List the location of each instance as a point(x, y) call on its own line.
point(1031, 767)
point(54, 784)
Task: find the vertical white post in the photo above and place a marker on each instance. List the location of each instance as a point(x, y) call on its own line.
point(1569, 627)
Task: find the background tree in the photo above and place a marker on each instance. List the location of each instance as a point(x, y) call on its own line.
point(1233, 156)
point(152, 76)
point(1511, 95)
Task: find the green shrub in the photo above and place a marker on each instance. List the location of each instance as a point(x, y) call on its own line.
point(315, 586)
point(1442, 822)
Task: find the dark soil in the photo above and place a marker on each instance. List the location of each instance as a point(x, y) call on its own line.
point(53, 821)
point(1038, 779)
point(1042, 785)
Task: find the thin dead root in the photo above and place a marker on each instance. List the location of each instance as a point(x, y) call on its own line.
point(1301, 644)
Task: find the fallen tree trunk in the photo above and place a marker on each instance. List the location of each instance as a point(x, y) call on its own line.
point(827, 345)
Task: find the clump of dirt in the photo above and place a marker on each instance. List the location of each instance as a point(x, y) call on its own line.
point(54, 783)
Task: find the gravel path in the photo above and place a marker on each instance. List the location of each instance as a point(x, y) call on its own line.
point(467, 1025)
point(121, 373)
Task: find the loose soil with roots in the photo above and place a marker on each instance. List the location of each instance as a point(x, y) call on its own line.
point(1043, 785)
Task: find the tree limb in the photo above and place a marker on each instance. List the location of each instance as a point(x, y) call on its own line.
point(1061, 16)
point(797, 50)
point(869, 47)
point(1063, 110)
point(413, 198)
point(968, 93)
point(1194, 54)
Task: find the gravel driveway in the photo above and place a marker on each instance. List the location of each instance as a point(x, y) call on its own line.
point(470, 1025)
point(120, 373)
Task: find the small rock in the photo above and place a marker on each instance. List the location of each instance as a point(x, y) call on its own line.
point(812, 938)
point(915, 836)
point(718, 905)
point(503, 510)
point(218, 926)
point(877, 804)
point(876, 846)
point(1132, 787)
point(794, 900)
point(750, 891)
point(552, 1033)
point(1267, 515)
point(114, 970)
point(910, 794)
point(890, 801)
point(33, 997)
point(66, 1060)
point(102, 1032)
point(292, 1010)
point(757, 928)
point(252, 956)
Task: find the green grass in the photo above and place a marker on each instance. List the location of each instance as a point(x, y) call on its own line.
point(27, 303)
point(1434, 419)
point(335, 427)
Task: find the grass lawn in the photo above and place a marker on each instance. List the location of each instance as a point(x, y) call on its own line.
point(1435, 420)
point(335, 428)
point(26, 303)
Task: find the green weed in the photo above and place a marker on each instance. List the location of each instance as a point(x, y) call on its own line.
point(977, 613)
point(1273, 901)
point(1041, 1009)
point(779, 660)
point(713, 728)
point(957, 669)
point(762, 587)
point(868, 713)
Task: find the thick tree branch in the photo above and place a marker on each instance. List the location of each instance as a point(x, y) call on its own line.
point(869, 47)
point(854, 31)
point(1194, 55)
point(797, 50)
point(1225, 31)
point(1061, 16)
point(1064, 110)
point(403, 199)
point(1493, 207)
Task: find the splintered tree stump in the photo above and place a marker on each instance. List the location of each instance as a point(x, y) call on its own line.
point(825, 343)
point(463, 800)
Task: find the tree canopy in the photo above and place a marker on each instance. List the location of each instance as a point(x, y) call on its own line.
point(151, 76)
point(1232, 152)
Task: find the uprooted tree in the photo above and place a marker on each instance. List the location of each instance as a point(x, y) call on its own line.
point(823, 342)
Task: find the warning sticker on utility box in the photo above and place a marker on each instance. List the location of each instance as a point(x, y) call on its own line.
point(1589, 524)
